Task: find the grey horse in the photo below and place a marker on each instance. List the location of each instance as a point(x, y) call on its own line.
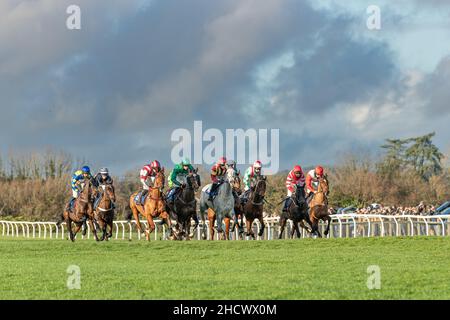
point(222, 205)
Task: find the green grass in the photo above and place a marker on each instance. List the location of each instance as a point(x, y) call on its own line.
point(411, 268)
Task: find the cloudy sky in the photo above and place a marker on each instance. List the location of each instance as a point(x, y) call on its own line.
point(114, 91)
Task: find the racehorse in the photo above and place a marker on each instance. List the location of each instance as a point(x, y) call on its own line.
point(104, 213)
point(81, 211)
point(220, 209)
point(253, 208)
point(319, 207)
point(185, 204)
point(297, 212)
point(154, 206)
point(235, 181)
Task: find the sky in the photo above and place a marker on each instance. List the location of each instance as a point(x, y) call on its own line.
point(114, 91)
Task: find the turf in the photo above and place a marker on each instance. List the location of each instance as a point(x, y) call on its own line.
point(411, 268)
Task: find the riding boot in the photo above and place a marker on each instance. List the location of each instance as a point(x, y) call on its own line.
point(309, 198)
point(212, 190)
point(97, 201)
point(287, 202)
point(142, 197)
point(70, 204)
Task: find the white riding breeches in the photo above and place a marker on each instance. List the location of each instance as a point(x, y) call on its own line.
point(145, 186)
point(74, 194)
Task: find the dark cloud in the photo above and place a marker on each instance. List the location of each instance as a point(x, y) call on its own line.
point(114, 91)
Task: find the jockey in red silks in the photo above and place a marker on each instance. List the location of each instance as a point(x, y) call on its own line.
point(312, 182)
point(294, 178)
point(147, 176)
point(218, 172)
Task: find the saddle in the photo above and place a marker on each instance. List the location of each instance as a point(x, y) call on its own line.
point(212, 192)
point(139, 198)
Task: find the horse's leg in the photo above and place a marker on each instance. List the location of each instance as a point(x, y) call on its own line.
point(77, 228)
point(93, 227)
point(315, 227)
point(151, 226)
point(69, 229)
point(204, 230)
point(227, 228)
point(282, 226)
point(135, 213)
point(211, 219)
point(102, 226)
point(111, 225)
point(250, 229)
point(263, 226)
point(328, 219)
point(293, 229)
point(296, 229)
point(166, 219)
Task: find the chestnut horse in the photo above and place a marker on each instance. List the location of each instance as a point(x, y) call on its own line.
point(104, 214)
point(319, 208)
point(253, 208)
point(154, 206)
point(81, 211)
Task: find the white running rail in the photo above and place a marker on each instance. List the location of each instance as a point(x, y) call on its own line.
point(342, 226)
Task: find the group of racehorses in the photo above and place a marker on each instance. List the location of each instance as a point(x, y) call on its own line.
point(226, 206)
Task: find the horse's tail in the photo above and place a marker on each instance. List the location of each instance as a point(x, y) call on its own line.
point(60, 219)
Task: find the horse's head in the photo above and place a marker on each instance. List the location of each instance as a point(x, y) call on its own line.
point(109, 191)
point(234, 179)
point(87, 191)
point(323, 185)
point(159, 180)
point(260, 186)
point(193, 180)
point(299, 194)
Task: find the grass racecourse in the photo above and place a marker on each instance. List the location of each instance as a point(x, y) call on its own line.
point(410, 268)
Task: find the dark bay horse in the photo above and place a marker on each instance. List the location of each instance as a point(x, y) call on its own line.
point(253, 208)
point(297, 212)
point(185, 205)
point(319, 207)
point(235, 181)
point(104, 213)
point(81, 211)
point(154, 207)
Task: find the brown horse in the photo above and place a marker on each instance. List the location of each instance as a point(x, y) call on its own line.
point(235, 181)
point(104, 213)
point(253, 208)
point(319, 207)
point(154, 206)
point(82, 210)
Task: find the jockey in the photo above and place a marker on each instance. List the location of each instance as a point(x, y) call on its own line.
point(218, 173)
point(78, 178)
point(231, 169)
point(102, 178)
point(250, 174)
point(312, 182)
point(294, 178)
point(147, 176)
point(178, 173)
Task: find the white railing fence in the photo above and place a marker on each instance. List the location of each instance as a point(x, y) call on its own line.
point(342, 226)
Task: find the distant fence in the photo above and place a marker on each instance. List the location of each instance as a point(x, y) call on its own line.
point(342, 226)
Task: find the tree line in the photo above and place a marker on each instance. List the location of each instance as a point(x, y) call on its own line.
point(401, 172)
